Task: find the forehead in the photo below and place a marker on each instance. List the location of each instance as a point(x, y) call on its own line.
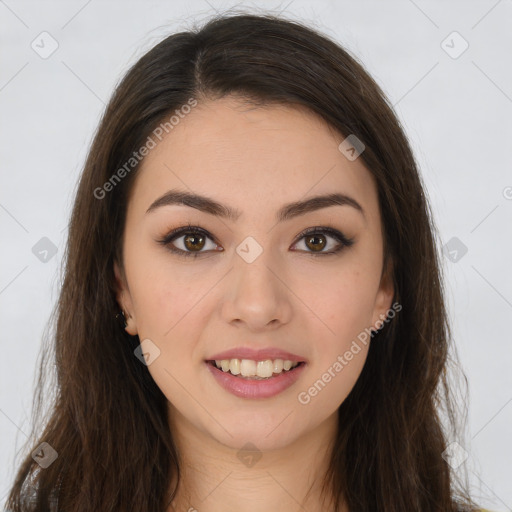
point(241, 155)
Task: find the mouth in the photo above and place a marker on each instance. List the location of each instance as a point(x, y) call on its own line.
point(249, 379)
point(255, 370)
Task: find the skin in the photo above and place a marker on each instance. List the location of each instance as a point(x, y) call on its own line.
point(255, 160)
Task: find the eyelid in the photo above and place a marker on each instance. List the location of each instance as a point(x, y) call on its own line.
point(181, 231)
point(331, 231)
point(189, 228)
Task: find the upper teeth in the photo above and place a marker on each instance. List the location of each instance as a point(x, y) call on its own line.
point(249, 368)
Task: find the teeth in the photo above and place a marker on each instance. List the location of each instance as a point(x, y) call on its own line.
point(256, 369)
point(234, 366)
point(278, 365)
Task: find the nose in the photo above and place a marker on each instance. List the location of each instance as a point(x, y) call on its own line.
point(257, 295)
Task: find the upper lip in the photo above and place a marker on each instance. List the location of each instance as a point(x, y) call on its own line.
point(257, 355)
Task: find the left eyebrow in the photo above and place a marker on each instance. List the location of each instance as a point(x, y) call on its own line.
point(287, 212)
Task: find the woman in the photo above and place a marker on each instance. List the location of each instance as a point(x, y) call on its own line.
point(252, 315)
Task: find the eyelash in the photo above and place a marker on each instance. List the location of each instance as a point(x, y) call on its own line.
point(196, 230)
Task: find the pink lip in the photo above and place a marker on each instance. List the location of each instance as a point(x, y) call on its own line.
point(245, 388)
point(257, 355)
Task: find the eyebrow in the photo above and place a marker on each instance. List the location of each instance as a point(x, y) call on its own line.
point(286, 212)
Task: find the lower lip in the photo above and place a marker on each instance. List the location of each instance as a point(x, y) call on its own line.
point(245, 388)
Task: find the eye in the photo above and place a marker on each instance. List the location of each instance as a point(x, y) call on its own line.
point(191, 240)
point(316, 239)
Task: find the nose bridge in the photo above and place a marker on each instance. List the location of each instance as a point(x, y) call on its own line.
point(257, 294)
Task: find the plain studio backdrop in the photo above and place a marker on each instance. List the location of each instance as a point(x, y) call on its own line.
point(445, 66)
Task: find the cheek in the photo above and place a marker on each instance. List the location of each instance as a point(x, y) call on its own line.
point(172, 314)
point(347, 304)
point(168, 305)
point(163, 293)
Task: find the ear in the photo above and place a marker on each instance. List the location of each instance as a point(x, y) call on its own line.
point(124, 300)
point(384, 297)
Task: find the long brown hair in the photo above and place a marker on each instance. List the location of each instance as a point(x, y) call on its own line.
point(107, 419)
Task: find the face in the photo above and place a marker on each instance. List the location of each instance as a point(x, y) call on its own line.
point(305, 280)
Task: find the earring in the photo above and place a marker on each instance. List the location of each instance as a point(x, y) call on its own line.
point(121, 318)
point(374, 332)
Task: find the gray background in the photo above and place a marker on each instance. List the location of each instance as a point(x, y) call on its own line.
point(456, 110)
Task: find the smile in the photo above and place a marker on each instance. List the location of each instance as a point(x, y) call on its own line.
point(247, 378)
point(257, 369)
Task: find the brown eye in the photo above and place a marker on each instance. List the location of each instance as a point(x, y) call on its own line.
point(315, 242)
point(194, 242)
point(189, 241)
point(316, 239)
